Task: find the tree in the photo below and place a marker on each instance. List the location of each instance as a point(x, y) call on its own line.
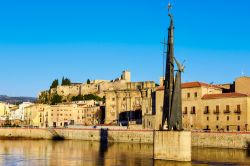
point(54, 84)
point(66, 82)
point(86, 97)
point(77, 98)
point(88, 81)
point(56, 99)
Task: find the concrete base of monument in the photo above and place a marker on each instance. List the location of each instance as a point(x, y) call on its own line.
point(172, 145)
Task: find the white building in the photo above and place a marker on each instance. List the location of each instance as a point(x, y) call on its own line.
point(19, 113)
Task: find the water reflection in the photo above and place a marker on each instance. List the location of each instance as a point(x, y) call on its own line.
point(82, 153)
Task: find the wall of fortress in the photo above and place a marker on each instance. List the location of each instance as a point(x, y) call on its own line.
point(199, 139)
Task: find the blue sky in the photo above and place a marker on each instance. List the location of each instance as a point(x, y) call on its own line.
point(43, 39)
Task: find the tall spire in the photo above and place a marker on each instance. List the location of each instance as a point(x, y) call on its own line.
point(169, 74)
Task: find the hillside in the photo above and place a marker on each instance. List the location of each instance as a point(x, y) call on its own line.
point(16, 100)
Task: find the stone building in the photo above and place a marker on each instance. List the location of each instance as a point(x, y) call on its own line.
point(206, 107)
point(94, 87)
point(129, 105)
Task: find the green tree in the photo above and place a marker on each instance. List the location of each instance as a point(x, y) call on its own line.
point(88, 81)
point(86, 97)
point(66, 82)
point(77, 98)
point(56, 99)
point(54, 84)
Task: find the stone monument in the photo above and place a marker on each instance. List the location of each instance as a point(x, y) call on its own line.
point(172, 142)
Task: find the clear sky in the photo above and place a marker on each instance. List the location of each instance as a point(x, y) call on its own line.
point(41, 40)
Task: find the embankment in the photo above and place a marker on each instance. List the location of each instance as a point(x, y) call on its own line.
point(199, 139)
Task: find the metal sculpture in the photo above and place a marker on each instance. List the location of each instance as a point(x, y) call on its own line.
point(172, 108)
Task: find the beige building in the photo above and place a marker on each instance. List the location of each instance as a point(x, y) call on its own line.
point(206, 107)
point(62, 115)
point(129, 105)
point(4, 109)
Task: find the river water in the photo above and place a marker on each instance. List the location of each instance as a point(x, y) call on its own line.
point(82, 153)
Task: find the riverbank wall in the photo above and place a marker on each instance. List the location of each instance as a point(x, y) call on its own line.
point(199, 139)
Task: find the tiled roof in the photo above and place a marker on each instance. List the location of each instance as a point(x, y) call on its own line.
point(192, 85)
point(223, 95)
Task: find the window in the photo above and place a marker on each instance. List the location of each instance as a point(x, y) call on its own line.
point(217, 108)
point(239, 118)
point(207, 118)
point(238, 128)
point(227, 128)
point(218, 118)
point(188, 95)
point(217, 127)
point(207, 127)
point(227, 108)
point(206, 110)
point(195, 94)
point(193, 110)
point(228, 118)
point(185, 110)
point(238, 108)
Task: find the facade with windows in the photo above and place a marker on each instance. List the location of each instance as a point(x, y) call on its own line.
point(206, 107)
point(129, 106)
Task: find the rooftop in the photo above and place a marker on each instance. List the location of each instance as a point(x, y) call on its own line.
point(223, 95)
point(192, 85)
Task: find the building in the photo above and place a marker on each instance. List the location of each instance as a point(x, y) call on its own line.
point(62, 115)
point(94, 87)
point(36, 115)
point(4, 110)
point(206, 107)
point(129, 105)
point(18, 114)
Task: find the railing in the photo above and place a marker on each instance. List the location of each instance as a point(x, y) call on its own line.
point(237, 111)
point(216, 112)
point(206, 112)
point(193, 113)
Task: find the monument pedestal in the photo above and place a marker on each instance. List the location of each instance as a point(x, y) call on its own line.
point(172, 145)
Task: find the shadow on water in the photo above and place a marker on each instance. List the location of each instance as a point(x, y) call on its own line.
point(58, 138)
point(103, 146)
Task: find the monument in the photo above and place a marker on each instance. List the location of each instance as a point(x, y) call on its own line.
point(172, 142)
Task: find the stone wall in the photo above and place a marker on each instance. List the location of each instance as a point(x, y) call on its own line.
point(221, 140)
point(128, 136)
point(199, 139)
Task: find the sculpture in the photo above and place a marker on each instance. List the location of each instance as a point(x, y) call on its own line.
point(172, 108)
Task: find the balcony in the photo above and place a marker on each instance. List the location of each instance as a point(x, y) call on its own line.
point(217, 112)
point(192, 112)
point(237, 111)
point(227, 112)
point(206, 112)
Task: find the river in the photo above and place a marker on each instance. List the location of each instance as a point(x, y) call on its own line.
point(82, 153)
